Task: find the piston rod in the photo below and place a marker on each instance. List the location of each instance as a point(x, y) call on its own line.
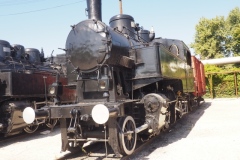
point(141, 128)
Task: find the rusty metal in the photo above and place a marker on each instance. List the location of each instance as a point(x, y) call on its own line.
point(199, 75)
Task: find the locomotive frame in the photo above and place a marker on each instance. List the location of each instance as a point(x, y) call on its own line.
point(129, 84)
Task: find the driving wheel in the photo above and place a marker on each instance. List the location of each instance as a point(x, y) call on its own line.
point(50, 123)
point(127, 135)
point(31, 128)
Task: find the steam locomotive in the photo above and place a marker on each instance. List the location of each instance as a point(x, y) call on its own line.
point(129, 84)
point(25, 76)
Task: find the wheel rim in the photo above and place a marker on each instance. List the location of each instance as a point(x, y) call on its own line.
point(50, 123)
point(180, 113)
point(31, 128)
point(127, 135)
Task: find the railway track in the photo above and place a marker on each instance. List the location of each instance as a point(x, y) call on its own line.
point(96, 151)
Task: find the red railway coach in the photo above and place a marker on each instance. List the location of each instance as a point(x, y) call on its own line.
point(199, 77)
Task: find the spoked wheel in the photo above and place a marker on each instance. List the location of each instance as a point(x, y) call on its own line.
point(183, 107)
point(31, 128)
point(127, 135)
point(50, 123)
point(179, 114)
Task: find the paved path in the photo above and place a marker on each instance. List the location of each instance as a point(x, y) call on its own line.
point(212, 132)
point(37, 146)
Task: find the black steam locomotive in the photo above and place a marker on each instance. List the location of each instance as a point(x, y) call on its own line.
point(129, 84)
point(25, 76)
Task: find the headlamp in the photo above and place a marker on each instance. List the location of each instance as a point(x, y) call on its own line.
point(28, 115)
point(52, 90)
point(102, 84)
point(100, 114)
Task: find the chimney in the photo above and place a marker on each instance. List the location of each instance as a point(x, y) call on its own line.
point(94, 9)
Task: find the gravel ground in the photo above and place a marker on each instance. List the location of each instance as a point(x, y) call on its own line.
point(211, 132)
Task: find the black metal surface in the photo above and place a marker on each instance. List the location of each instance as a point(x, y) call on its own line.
point(12, 112)
point(85, 44)
point(115, 68)
point(33, 55)
point(182, 50)
point(144, 36)
point(4, 49)
point(123, 23)
point(148, 61)
point(24, 80)
point(90, 44)
point(94, 9)
point(19, 51)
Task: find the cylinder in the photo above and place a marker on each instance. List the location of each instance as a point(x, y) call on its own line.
point(144, 36)
point(19, 51)
point(222, 61)
point(94, 8)
point(33, 55)
point(124, 23)
point(41, 113)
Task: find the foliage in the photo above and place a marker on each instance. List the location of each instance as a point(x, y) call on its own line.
point(219, 36)
point(215, 38)
point(233, 31)
point(221, 82)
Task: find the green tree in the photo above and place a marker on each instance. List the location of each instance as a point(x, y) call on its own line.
point(218, 37)
point(233, 32)
point(236, 37)
point(209, 37)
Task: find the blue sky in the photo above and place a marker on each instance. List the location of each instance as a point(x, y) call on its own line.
point(48, 28)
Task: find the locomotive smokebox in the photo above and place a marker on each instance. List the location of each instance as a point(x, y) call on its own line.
point(94, 9)
point(85, 45)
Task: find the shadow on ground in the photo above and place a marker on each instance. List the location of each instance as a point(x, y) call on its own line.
point(179, 130)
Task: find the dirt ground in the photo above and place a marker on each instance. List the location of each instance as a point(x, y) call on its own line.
point(211, 132)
